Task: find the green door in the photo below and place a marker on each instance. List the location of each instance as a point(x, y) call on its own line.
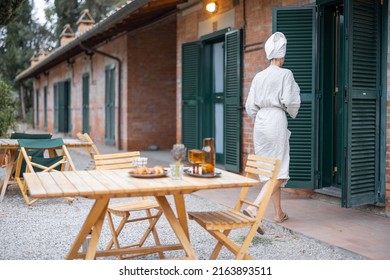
point(86, 128)
point(211, 95)
point(301, 60)
point(62, 106)
point(332, 106)
point(362, 97)
point(110, 105)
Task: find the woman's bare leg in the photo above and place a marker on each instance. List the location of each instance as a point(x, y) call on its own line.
point(276, 199)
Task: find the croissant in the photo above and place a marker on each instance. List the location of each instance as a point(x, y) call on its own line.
point(157, 170)
point(140, 171)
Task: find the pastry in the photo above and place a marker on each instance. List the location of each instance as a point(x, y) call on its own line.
point(157, 170)
point(140, 171)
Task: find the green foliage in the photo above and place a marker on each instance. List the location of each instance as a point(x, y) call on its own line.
point(8, 10)
point(7, 111)
point(69, 11)
point(100, 8)
point(16, 48)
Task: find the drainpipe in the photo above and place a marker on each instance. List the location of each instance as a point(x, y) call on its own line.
point(119, 86)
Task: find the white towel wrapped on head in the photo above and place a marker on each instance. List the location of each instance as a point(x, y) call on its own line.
point(276, 46)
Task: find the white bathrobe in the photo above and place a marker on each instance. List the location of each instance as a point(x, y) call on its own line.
point(273, 93)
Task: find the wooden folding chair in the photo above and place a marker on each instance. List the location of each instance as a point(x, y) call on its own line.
point(93, 150)
point(28, 162)
point(124, 210)
point(3, 158)
point(220, 223)
point(10, 157)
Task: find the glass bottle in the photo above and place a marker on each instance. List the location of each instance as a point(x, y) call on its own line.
point(208, 164)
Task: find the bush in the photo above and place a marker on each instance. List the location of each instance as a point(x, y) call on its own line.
point(7, 109)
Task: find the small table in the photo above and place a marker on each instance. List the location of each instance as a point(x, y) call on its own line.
point(102, 185)
point(11, 146)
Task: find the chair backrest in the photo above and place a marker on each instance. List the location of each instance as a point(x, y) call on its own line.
point(116, 160)
point(259, 166)
point(20, 135)
point(93, 150)
point(41, 144)
point(262, 166)
point(33, 163)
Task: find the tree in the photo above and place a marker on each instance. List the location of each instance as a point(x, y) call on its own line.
point(16, 47)
point(8, 10)
point(101, 8)
point(69, 11)
point(7, 108)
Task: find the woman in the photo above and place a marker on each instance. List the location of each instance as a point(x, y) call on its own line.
point(273, 93)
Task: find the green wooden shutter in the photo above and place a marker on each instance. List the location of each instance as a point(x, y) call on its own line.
point(37, 109)
point(232, 110)
point(86, 103)
point(61, 107)
point(67, 107)
point(56, 106)
point(190, 95)
point(45, 106)
point(363, 100)
point(299, 26)
point(110, 105)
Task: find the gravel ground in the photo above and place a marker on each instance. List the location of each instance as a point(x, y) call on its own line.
point(47, 230)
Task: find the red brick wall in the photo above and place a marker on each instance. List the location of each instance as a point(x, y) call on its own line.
point(95, 66)
point(151, 112)
point(148, 88)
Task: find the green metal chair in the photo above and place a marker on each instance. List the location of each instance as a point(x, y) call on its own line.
point(50, 162)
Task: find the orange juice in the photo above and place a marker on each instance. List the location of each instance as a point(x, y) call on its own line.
point(195, 156)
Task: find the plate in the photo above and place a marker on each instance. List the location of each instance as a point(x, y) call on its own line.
point(190, 173)
point(149, 176)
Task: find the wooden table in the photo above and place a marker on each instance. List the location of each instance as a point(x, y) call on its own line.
point(11, 146)
point(102, 185)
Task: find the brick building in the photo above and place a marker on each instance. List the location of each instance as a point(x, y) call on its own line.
point(193, 69)
point(114, 79)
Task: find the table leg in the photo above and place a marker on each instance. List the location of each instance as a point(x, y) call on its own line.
point(177, 227)
point(93, 222)
point(8, 172)
point(181, 212)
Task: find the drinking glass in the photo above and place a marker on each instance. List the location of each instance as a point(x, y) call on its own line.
point(195, 157)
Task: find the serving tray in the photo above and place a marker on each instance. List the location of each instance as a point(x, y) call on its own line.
point(190, 173)
point(149, 176)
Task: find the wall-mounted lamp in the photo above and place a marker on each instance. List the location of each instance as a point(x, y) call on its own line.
point(212, 7)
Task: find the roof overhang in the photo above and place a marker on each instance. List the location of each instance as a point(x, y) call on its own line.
point(134, 15)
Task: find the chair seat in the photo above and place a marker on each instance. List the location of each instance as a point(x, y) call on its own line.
point(220, 220)
point(122, 209)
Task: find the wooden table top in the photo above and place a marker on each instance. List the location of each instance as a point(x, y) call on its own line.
point(118, 183)
point(6, 143)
